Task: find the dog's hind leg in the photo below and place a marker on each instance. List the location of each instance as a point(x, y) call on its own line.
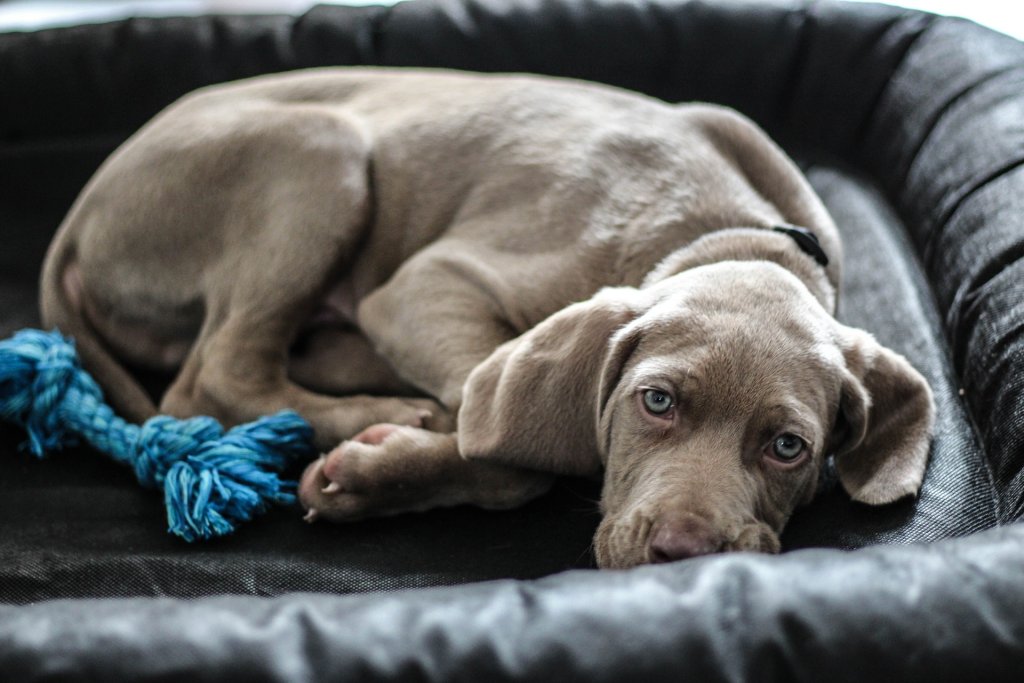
point(290, 219)
point(341, 361)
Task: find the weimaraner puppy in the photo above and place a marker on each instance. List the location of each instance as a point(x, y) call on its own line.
point(471, 283)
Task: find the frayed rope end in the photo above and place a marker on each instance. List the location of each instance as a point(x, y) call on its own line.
point(228, 481)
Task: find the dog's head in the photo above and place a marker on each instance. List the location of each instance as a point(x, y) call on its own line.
point(711, 400)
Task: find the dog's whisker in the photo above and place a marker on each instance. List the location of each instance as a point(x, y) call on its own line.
point(589, 550)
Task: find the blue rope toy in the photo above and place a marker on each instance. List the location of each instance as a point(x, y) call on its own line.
point(212, 479)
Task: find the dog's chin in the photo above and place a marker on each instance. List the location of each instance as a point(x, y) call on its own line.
point(757, 537)
point(621, 543)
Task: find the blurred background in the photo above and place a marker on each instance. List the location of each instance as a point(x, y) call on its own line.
point(22, 15)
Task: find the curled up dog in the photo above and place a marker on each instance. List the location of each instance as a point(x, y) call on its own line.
point(470, 284)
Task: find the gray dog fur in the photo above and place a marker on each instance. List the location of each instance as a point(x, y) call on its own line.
point(469, 284)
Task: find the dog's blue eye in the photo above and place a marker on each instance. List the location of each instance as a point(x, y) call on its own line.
point(657, 402)
point(788, 447)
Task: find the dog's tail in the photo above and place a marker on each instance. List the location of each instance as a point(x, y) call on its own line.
point(61, 306)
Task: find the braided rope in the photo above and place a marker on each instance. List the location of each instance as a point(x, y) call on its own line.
point(212, 479)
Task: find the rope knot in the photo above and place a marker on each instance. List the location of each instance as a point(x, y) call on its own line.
point(38, 374)
point(212, 479)
point(164, 441)
point(228, 479)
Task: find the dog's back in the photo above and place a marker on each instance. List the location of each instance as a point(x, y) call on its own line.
point(315, 189)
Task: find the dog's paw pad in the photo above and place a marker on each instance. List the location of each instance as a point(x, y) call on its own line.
point(356, 466)
point(385, 469)
point(376, 434)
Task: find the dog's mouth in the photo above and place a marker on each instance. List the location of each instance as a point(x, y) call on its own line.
point(631, 540)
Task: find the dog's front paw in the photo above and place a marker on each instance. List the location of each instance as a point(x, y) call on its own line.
point(386, 469)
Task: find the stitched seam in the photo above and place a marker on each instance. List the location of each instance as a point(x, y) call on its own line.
point(954, 207)
point(869, 120)
point(804, 21)
point(942, 111)
point(1000, 498)
point(378, 29)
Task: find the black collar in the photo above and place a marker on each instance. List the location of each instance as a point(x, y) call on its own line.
point(806, 240)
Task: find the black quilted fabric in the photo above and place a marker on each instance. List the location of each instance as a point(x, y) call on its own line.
point(909, 127)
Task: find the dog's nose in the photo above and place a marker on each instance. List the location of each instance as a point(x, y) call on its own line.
point(679, 539)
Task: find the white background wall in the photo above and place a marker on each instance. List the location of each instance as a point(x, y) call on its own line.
point(1003, 15)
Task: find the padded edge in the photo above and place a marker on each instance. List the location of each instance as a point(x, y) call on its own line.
point(811, 73)
point(815, 69)
point(948, 143)
point(94, 80)
point(943, 612)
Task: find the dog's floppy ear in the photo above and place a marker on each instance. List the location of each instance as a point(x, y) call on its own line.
point(532, 403)
point(886, 416)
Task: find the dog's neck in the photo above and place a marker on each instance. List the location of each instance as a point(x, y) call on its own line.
point(750, 244)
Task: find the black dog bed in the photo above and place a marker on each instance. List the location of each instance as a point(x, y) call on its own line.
point(911, 128)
